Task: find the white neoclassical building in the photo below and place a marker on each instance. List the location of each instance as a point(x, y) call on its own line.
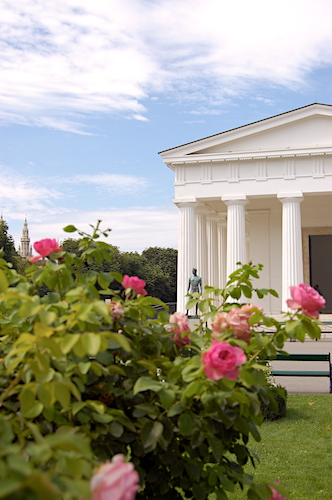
point(260, 192)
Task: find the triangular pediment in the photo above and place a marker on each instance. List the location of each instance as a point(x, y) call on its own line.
point(301, 129)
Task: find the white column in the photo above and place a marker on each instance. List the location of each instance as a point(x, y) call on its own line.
point(201, 244)
point(212, 246)
point(186, 250)
point(236, 231)
point(222, 251)
point(292, 261)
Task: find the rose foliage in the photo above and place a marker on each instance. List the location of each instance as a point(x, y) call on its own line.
point(83, 381)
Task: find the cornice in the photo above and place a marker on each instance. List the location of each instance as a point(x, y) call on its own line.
point(248, 156)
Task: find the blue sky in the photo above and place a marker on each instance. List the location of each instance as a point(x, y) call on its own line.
point(90, 92)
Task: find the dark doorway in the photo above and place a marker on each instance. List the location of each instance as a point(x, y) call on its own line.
point(320, 255)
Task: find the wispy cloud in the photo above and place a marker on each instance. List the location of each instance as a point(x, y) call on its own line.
point(20, 194)
point(47, 196)
point(112, 183)
point(62, 61)
point(133, 229)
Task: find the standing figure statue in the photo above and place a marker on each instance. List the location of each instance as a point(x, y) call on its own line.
point(195, 284)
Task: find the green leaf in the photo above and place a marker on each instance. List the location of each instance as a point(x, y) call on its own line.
point(84, 367)
point(8, 486)
point(291, 325)
point(77, 406)
point(102, 419)
point(47, 317)
point(186, 423)
point(193, 369)
point(97, 406)
point(167, 397)
point(46, 394)
point(68, 341)
point(195, 387)
point(70, 229)
point(150, 433)
point(191, 303)
point(146, 384)
point(62, 394)
point(121, 340)
point(34, 411)
point(116, 429)
point(254, 431)
point(176, 409)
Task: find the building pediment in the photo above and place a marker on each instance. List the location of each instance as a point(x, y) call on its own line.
point(306, 130)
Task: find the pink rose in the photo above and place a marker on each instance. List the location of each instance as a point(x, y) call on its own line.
point(306, 298)
point(222, 360)
point(134, 283)
point(237, 320)
point(179, 324)
point(116, 310)
point(275, 494)
point(44, 248)
point(116, 480)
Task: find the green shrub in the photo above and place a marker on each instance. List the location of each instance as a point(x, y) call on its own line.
point(82, 380)
point(277, 408)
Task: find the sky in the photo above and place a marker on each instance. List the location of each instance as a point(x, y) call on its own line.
point(91, 91)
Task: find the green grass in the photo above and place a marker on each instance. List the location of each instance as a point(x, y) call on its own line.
point(297, 449)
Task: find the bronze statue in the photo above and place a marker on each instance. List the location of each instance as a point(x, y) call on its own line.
point(195, 285)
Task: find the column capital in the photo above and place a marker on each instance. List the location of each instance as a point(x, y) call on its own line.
point(234, 199)
point(296, 197)
point(185, 202)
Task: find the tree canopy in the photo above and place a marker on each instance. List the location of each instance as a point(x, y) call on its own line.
point(157, 266)
point(7, 244)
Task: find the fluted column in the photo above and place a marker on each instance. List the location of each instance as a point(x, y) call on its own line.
point(186, 250)
point(292, 261)
point(212, 246)
point(201, 244)
point(222, 252)
point(236, 232)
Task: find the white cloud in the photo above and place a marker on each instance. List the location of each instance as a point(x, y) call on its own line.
point(65, 59)
point(133, 229)
point(42, 198)
point(113, 183)
point(21, 195)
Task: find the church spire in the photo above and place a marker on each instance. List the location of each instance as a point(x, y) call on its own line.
point(25, 249)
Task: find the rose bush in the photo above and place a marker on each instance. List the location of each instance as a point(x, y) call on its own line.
point(83, 381)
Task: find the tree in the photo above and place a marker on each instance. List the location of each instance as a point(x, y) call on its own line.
point(165, 259)
point(7, 244)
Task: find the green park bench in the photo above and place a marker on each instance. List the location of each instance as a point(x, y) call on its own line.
point(304, 373)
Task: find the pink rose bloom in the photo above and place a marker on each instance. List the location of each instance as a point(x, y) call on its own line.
point(237, 320)
point(275, 494)
point(134, 283)
point(222, 360)
point(116, 480)
point(44, 248)
point(306, 298)
point(179, 324)
point(116, 310)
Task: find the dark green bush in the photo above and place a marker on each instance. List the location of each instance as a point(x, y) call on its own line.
point(278, 410)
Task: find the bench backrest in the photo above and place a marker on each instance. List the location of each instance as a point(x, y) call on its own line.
point(303, 357)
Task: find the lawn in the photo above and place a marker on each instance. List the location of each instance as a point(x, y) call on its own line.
point(297, 449)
